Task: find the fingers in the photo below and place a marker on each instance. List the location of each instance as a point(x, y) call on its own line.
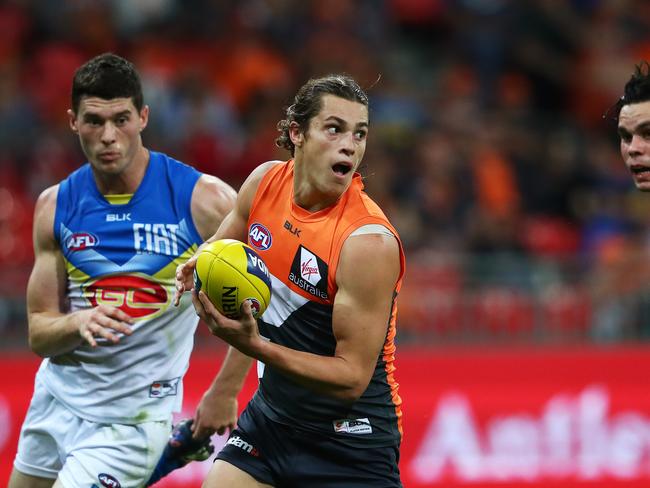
point(184, 279)
point(105, 322)
point(207, 304)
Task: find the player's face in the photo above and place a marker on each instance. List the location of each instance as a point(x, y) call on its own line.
point(634, 131)
point(329, 153)
point(109, 132)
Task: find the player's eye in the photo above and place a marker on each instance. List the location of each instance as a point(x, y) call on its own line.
point(360, 134)
point(332, 129)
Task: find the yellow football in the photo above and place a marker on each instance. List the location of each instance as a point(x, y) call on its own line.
point(230, 272)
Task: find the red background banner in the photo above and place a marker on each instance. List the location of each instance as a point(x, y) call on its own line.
point(541, 417)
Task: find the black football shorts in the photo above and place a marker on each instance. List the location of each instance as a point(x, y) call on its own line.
point(286, 457)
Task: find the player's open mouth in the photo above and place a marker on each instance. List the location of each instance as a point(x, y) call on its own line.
point(342, 169)
point(640, 170)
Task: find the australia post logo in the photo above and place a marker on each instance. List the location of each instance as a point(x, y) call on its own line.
point(138, 296)
point(260, 237)
point(80, 241)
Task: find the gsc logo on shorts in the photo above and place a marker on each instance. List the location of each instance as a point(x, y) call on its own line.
point(260, 237)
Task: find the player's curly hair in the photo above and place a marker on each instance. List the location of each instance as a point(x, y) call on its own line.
point(107, 76)
point(636, 90)
point(308, 103)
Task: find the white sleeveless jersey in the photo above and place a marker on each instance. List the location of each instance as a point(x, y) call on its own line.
point(126, 256)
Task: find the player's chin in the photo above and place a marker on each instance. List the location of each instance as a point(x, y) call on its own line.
point(643, 186)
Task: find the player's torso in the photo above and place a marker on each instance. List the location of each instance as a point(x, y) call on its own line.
point(125, 256)
point(301, 250)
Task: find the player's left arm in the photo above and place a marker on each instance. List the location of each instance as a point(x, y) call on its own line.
point(212, 200)
point(368, 269)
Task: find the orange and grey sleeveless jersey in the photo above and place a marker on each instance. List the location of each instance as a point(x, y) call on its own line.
point(126, 256)
point(301, 250)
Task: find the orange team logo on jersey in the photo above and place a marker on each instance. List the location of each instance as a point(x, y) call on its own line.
point(138, 296)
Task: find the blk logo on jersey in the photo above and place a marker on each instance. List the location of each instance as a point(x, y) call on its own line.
point(137, 296)
point(293, 230)
point(309, 272)
point(80, 241)
point(260, 237)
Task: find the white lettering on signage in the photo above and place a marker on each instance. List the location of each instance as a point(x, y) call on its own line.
point(572, 437)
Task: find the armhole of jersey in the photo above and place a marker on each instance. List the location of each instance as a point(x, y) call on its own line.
point(372, 229)
point(186, 178)
point(261, 188)
point(59, 210)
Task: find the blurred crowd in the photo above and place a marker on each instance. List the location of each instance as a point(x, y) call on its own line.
point(488, 136)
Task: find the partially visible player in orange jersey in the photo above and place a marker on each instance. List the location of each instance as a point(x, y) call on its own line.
point(327, 412)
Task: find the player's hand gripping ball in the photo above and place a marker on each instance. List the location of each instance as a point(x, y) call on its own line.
point(230, 272)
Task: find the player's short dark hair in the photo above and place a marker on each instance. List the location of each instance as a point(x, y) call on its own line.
point(636, 90)
point(107, 76)
point(308, 103)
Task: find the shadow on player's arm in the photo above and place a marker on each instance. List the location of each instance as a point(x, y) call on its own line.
point(360, 319)
point(217, 410)
point(52, 329)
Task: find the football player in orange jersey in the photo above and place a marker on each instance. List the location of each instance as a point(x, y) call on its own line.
point(327, 411)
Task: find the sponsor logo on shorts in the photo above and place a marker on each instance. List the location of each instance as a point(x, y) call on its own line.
point(242, 444)
point(353, 426)
point(164, 388)
point(260, 237)
point(309, 272)
point(80, 241)
point(108, 481)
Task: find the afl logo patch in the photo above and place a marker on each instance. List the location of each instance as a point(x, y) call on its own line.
point(80, 241)
point(108, 481)
point(260, 237)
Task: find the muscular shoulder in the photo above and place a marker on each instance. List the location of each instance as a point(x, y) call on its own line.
point(212, 199)
point(44, 213)
point(378, 255)
point(250, 186)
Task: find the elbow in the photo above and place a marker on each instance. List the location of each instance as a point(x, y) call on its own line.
point(36, 347)
point(352, 392)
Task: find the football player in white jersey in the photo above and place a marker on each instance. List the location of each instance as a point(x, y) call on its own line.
point(107, 241)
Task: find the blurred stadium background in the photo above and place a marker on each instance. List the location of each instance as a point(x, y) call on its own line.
point(525, 315)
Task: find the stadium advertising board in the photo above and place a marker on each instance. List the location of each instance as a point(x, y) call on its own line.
point(476, 418)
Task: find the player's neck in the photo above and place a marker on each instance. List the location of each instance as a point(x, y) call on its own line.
point(127, 181)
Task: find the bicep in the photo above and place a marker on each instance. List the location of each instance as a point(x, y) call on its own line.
point(46, 285)
point(47, 281)
point(368, 270)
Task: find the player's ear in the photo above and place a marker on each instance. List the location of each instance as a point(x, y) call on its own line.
point(297, 136)
point(144, 117)
point(72, 120)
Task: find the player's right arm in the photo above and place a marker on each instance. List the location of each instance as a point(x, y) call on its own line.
point(217, 410)
point(233, 226)
point(53, 331)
